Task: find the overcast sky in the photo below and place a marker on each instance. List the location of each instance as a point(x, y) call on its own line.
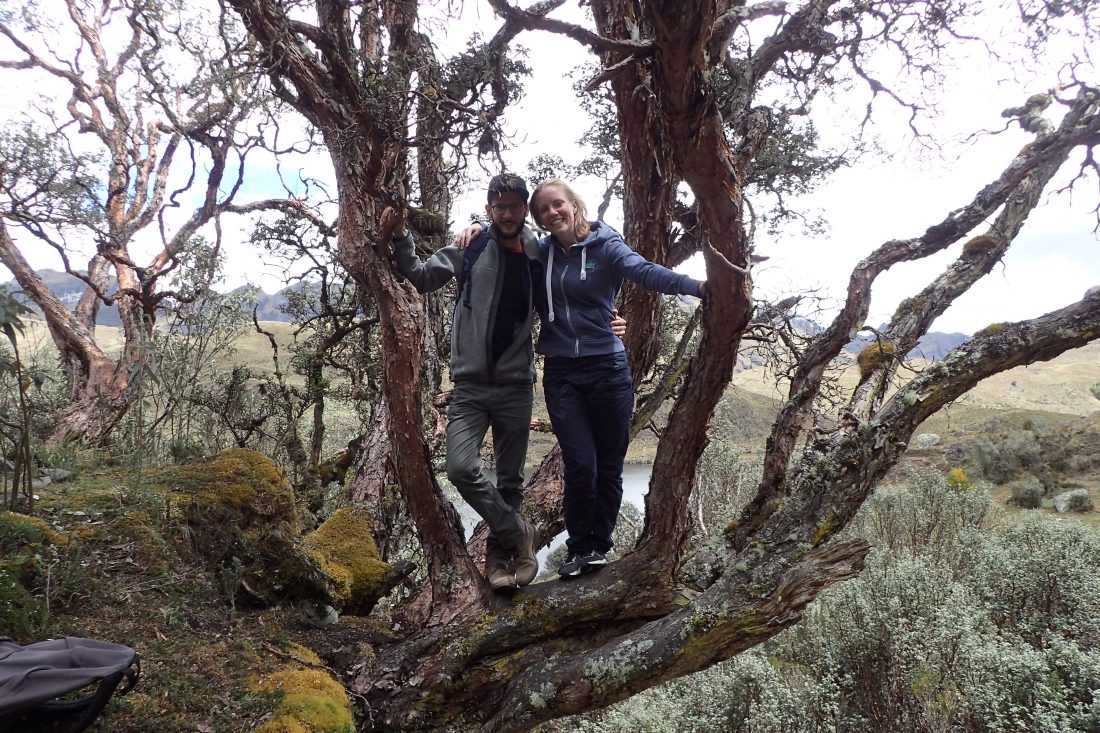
point(1052, 263)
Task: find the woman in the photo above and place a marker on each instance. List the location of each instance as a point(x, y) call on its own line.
point(588, 386)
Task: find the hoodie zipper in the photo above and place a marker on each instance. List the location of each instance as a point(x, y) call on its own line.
point(568, 311)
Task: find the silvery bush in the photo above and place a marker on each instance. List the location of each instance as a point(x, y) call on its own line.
point(963, 621)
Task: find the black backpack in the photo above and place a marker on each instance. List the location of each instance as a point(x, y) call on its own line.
point(469, 257)
point(35, 676)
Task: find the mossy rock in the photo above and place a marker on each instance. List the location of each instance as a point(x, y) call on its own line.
point(345, 550)
point(236, 481)
point(19, 532)
point(23, 542)
point(240, 517)
point(310, 699)
point(22, 615)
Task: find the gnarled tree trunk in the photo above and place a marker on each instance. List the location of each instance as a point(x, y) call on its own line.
point(473, 661)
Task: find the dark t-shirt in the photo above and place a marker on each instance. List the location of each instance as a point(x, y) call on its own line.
point(512, 310)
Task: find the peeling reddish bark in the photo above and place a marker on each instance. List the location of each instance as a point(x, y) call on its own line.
point(472, 661)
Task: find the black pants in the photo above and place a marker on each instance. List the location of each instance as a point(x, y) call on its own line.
point(590, 400)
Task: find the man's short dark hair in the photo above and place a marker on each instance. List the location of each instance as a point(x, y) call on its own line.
point(507, 183)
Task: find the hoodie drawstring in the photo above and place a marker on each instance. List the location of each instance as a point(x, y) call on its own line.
point(549, 294)
point(584, 258)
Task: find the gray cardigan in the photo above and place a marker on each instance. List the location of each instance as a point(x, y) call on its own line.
point(472, 324)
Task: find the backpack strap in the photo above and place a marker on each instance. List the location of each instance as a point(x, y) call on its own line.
point(92, 705)
point(469, 257)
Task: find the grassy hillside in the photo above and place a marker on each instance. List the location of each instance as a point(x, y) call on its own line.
point(1054, 392)
point(1061, 385)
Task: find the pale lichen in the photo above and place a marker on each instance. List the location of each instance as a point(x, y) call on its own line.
point(615, 669)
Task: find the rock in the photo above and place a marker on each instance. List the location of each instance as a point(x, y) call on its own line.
point(1077, 500)
point(242, 520)
point(319, 615)
point(56, 474)
point(344, 549)
point(927, 440)
point(41, 482)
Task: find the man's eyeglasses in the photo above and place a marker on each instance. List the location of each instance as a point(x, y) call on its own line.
point(508, 208)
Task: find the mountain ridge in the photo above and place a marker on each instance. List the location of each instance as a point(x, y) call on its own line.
point(269, 307)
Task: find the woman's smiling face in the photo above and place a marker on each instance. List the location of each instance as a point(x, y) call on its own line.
point(556, 213)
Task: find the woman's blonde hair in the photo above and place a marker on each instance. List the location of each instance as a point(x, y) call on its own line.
point(581, 227)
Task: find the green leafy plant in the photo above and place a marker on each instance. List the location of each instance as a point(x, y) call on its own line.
point(15, 412)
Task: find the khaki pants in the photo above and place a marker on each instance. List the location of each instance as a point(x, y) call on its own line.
point(477, 407)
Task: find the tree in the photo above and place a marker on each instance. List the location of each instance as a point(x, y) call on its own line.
point(165, 116)
point(687, 79)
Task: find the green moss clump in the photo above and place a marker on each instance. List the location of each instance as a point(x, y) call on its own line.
point(873, 356)
point(981, 244)
point(240, 517)
point(311, 700)
point(912, 304)
point(824, 529)
point(237, 479)
point(991, 330)
point(18, 532)
point(345, 550)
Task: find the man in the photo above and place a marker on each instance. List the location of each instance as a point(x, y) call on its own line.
point(492, 368)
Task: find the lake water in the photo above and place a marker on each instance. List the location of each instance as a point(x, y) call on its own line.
point(635, 487)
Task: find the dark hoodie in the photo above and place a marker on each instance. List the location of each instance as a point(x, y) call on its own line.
point(581, 287)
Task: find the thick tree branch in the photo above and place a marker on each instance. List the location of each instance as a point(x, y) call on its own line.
point(837, 473)
point(732, 616)
point(1033, 160)
point(68, 333)
point(292, 60)
point(534, 19)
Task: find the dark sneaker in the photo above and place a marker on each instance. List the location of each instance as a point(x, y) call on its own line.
point(527, 564)
point(571, 567)
point(499, 578)
point(592, 560)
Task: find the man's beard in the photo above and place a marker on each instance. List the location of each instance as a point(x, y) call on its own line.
point(509, 230)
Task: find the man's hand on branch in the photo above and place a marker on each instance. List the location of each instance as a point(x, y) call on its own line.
point(391, 226)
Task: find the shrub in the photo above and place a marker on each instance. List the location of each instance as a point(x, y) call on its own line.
point(1028, 494)
point(726, 481)
point(1038, 578)
point(1002, 458)
point(988, 459)
point(957, 479)
point(1020, 449)
point(956, 625)
point(926, 517)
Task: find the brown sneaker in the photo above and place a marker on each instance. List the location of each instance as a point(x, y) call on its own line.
point(499, 578)
point(527, 564)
